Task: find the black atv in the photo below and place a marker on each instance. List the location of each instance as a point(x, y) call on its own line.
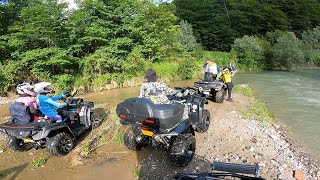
point(57, 137)
point(222, 171)
point(163, 125)
point(216, 90)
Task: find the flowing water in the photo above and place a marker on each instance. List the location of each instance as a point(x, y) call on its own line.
point(294, 99)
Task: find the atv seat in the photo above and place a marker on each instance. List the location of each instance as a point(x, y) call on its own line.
point(137, 110)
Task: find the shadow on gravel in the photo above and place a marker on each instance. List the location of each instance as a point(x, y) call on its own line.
point(155, 164)
point(12, 172)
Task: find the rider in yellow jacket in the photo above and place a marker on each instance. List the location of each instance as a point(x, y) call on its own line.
point(226, 77)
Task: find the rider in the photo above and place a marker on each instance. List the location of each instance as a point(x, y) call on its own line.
point(46, 103)
point(226, 76)
point(211, 71)
point(24, 109)
point(157, 91)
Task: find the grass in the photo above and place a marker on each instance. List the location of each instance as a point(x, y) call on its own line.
point(257, 109)
point(39, 162)
point(244, 89)
point(136, 172)
point(260, 112)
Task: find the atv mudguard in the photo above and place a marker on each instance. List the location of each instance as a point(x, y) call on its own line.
point(183, 127)
point(195, 115)
point(36, 131)
point(51, 128)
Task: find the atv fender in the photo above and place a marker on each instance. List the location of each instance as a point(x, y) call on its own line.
point(182, 127)
point(46, 130)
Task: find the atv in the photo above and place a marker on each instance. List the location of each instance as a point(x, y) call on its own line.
point(57, 137)
point(214, 89)
point(163, 125)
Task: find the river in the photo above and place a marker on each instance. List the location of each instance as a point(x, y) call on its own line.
point(294, 99)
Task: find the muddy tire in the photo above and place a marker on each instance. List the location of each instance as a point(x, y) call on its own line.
point(60, 144)
point(95, 122)
point(15, 144)
point(205, 121)
point(130, 139)
point(183, 149)
point(219, 96)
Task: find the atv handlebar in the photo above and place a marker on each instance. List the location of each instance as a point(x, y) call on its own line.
point(229, 169)
point(236, 168)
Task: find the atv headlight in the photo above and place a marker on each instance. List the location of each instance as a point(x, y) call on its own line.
point(194, 107)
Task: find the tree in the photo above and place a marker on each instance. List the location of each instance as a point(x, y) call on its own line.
point(186, 39)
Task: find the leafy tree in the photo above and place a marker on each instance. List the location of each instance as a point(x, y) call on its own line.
point(186, 39)
point(210, 22)
point(250, 52)
point(288, 53)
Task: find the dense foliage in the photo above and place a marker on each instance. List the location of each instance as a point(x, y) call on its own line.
point(100, 42)
point(107, 41)
point(217, 23)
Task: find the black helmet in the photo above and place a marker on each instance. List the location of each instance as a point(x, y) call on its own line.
point(151, 75)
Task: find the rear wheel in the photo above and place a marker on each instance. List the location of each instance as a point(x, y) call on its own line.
point(219, 96)
point(13, 143)
point(131, 139)
point(183, 149)
point(205, 121)
point(60, 144)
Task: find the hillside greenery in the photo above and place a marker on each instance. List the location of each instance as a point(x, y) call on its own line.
point(105, 41)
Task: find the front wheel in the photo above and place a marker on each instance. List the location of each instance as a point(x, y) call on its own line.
point(60, 144)
point(95, 122)
point(183, 149)
point(205, 121)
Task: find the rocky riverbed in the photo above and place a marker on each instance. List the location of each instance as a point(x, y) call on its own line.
point(233, 138)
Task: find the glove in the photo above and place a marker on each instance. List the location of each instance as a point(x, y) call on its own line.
point(66, 93)
point(179, 94)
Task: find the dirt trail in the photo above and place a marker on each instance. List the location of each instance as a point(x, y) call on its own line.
point(230, 138)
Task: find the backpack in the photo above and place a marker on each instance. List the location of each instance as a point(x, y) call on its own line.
point(20, 113)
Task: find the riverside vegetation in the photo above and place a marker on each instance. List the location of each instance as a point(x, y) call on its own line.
point(104, 42)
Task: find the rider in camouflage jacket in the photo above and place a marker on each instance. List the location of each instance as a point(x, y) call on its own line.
point(157, 91)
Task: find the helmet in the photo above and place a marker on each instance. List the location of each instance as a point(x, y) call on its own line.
point(42, 88)
point(232, 67)
point(26, 88)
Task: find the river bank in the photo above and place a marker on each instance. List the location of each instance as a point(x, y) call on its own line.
point(232, 137)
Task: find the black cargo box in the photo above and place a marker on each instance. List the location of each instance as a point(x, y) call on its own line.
point(136, 110)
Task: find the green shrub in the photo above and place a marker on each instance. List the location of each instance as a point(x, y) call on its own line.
point(186, 68)
point(64, 82)
point(165, 69)
point(39, 162)
point(251, 52)
point(100, 81)
point(288, 53)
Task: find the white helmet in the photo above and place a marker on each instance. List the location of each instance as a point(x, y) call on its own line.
point(26, 88)
point(40, 87)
